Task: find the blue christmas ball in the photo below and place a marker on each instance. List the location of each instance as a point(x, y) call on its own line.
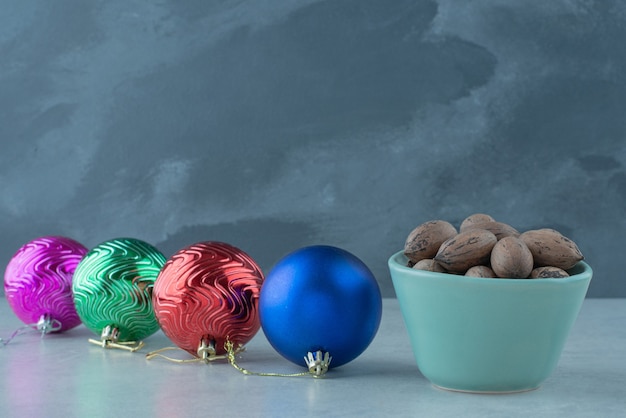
point(320, 298)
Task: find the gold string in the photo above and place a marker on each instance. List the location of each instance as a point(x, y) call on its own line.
point(231, 353)
point(109, 339)
point(204, 355)
point(157, 353)
point(318, 363)
point(206, 359)
point(131, 346)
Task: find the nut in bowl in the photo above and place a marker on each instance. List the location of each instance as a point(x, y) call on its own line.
point(478, 334)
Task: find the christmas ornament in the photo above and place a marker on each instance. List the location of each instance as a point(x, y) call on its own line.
point(320, 306)
point(113, 291)
point(38, 283)
point(206, 294)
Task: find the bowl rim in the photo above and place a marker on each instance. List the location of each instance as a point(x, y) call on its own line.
point(393, 263)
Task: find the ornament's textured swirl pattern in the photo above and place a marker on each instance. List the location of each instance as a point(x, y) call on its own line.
point(209, 291)
point(113, 286)
point(38, 280)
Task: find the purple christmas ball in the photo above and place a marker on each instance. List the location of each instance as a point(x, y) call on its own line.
point(38, 281)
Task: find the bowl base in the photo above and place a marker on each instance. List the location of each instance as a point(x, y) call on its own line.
point(485, 392)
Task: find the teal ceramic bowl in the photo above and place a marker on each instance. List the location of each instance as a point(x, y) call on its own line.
point(487, 335)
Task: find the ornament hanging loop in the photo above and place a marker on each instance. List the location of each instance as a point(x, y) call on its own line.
point(110, 337)
point(207, 351)
point(45, 325)
point(318, 363)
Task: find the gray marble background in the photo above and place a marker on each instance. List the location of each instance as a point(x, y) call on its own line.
point(278, 124)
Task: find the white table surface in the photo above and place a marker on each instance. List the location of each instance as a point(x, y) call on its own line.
point(62, 375)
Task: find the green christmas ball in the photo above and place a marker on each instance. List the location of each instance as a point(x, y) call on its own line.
point(112, 288)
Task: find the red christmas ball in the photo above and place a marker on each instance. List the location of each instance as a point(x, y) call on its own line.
point(208, 293)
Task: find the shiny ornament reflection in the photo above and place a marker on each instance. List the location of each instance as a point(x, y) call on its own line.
point(206, 294)
point(320, 298)
point(38, 283)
